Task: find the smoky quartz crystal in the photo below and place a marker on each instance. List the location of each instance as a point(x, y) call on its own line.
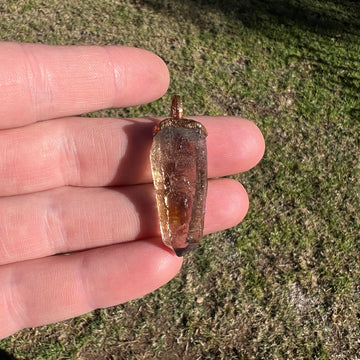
point(179, 169)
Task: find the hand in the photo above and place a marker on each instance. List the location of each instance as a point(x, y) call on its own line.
point(83, 185)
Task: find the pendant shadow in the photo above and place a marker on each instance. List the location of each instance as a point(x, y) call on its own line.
point(134, 165)
point(134, 175)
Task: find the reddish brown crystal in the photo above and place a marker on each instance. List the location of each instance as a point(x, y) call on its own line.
point(179, 169)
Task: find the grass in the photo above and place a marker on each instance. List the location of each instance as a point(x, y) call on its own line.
point(284, 284)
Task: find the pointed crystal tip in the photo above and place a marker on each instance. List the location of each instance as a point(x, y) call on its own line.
point(182, 251)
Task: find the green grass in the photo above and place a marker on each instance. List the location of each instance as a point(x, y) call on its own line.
point(284, 284)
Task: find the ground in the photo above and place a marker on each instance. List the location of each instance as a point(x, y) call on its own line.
point(283, 284)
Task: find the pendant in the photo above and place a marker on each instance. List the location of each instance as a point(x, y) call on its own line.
point(179, 169)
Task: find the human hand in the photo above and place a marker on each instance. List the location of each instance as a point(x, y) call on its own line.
point(83, 185)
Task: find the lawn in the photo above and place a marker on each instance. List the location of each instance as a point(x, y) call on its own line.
point(285, 283)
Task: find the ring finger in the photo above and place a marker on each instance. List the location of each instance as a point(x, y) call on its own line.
point(71, 219)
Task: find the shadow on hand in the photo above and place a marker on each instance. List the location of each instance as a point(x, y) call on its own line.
point(134, 170)
point(134, 166)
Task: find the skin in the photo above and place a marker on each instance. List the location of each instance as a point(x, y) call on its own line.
point(83, 185)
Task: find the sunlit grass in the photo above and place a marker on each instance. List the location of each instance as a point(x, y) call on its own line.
point(284, 283)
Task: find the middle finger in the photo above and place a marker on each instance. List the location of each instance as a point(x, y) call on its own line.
point(103, 152)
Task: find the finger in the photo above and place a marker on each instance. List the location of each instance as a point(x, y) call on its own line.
point(72, 219)
point(43, 291)
point(39, 82)
point(102, 152)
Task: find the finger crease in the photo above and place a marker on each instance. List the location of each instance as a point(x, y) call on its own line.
point(14, 308)
point(71, 166)
point(116, 75)
point(5, 255)
point(54, 231)
point(39, 85)
point(84, 283)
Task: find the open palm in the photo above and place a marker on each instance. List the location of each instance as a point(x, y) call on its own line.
point(83, 185)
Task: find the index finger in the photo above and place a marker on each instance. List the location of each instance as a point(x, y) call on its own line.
point(39, 82)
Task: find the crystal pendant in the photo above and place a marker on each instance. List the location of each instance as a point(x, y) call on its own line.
point(179, 169)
